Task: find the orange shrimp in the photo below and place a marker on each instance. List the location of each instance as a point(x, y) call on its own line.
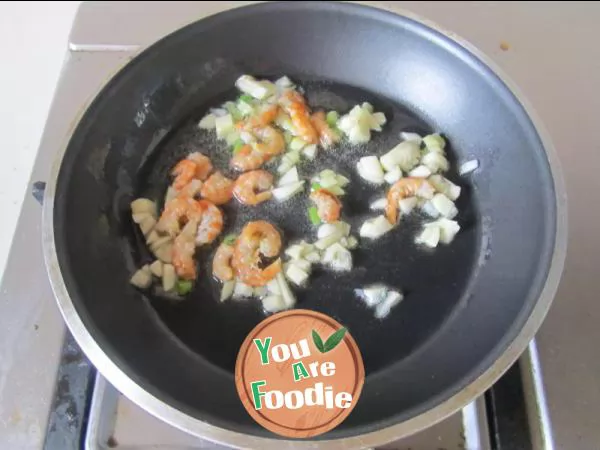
point(221, 266)
point(191, 190)
point(327, 136)
point(271, 141)
point(262, 118)
point(328, 205)
point(211, 223)
point(184, 247)
point(404, 187)
point(248, 158)
point(196, 165)
point(176, 212)
point(218, 189)
point(259, 277)
point(252, 188)
point(294, 104)
point(203, 165)
point(184, 172)
point(257, 240)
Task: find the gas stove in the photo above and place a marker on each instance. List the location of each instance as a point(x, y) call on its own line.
point(52, 398)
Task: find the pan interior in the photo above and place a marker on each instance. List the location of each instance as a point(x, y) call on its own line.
point(434, 281)
point(464, 303)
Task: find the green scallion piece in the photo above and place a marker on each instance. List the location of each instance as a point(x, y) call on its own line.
point(237, 146)
point(315, 186)
point(246, 98)
point(313, 215)
point(288, 137)
point(232, 109)
point(332, 118)
point(184, 287)
point(229, 239)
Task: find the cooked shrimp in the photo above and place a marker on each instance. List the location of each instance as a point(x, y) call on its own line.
point(184, 172)
point(211, 223)
point(218, 189)
point(251, 157)
point(294, 104)
point(221, 266)
point(183, 251)
point(262, 118)
point(327, 136)
point(203, 165)
point(405, 187)
point(271, 141)
point(177, 212)
point(196, 165)
point(252, 188)
point(255, 276)
point(269, 237)
point(328, 205)
point(248, 158)
point(191, 190)
point(257, 240)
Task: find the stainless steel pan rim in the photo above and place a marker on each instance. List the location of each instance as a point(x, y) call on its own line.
point(426, 419)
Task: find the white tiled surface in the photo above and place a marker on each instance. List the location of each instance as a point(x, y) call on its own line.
point(33, 43)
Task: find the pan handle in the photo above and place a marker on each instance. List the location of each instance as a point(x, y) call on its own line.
point(37, 190)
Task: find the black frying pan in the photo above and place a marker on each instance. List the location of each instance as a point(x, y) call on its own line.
point(470, 307)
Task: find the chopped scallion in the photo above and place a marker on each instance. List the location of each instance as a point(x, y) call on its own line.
point(313, 215)
point(237, 146)
point(332, 118)
point(184, 286)
point(232, 109)
point(230, 239)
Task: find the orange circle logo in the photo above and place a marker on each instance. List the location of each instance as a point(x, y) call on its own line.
point(299, 373)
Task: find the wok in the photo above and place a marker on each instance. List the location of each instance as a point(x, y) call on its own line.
point(470, 308)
